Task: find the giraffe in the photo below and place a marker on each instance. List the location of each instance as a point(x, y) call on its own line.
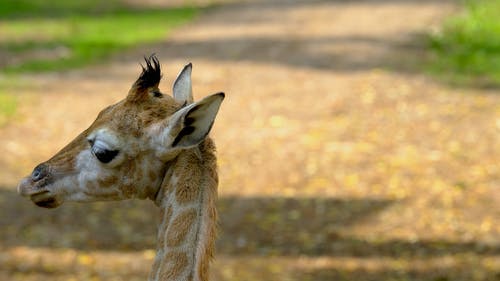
point(149, 145)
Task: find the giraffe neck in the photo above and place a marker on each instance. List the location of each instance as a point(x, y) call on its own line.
point(186, 233)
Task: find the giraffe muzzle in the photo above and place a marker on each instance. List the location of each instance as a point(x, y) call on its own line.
point(35, 186)
point(36, 182)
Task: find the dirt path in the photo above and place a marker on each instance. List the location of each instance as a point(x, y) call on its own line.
point(338, 160)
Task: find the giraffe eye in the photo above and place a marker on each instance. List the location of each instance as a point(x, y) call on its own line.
point(103, 154)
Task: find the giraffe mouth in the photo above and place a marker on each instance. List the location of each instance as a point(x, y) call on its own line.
point(45, 200)
point(48, 203)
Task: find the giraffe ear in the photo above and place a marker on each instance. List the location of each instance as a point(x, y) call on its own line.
point(195, 121)
point(182, 89)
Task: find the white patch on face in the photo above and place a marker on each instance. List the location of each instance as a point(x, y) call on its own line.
point(90, 170)
point(78, 197)
point(88, 167)
point(106, 137)
point(64, 187)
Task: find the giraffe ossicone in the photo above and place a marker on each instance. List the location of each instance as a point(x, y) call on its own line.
point(149, 145)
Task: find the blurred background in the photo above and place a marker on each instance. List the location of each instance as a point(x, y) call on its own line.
point(359, 140)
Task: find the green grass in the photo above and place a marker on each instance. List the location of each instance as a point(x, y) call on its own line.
point(42, 8)
point(57, 35)
point(40, 35)
point(467, 50)
point(8, 106)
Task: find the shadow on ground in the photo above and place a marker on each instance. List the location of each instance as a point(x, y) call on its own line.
point(341, 48)
point(326, 53)
point(248, 226)
point(437, 273)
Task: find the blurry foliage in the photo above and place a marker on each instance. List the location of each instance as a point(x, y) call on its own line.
point(467, 49)
point(55, 35)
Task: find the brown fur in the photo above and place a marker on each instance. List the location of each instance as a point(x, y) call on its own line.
point(174, 265)
point(166, 215)
point(211, 181)
point(107, 182)
point(152, 175)
point(179, 228)
point(188, 190)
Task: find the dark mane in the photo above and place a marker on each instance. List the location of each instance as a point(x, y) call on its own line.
point(150, 75)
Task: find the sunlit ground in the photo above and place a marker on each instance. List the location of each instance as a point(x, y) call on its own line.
point(338, 160)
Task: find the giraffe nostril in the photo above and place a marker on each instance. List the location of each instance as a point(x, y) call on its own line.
point(39, 172)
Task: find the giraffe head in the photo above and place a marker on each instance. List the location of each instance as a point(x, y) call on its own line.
point(126, 151)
